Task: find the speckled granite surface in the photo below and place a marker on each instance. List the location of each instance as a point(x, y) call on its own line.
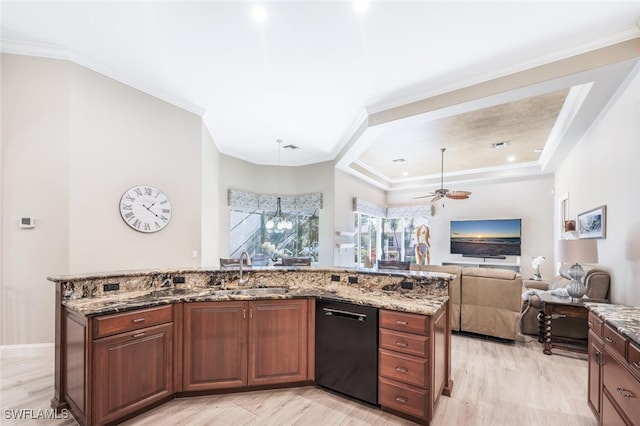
point(626, 319)
point(138, 289)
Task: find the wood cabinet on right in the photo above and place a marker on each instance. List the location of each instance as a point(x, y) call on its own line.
point(614, 396)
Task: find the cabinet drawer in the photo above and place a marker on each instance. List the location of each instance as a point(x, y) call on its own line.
point(119, 323)
point(615, 340)
point(633, 356)
point(404, 368)
point(610, 415)
point(412, 323)
point(622, 386)
point(407, 343)
point(595, 324)
point(404, 398)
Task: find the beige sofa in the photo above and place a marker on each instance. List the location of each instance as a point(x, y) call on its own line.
point(597, 287)
point(483, 300)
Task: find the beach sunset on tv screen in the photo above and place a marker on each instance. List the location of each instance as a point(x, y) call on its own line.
point(486, 238)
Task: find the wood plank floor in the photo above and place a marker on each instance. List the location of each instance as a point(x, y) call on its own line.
point(495, 384)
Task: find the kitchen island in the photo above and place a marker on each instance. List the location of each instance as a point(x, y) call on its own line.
point(127, 341)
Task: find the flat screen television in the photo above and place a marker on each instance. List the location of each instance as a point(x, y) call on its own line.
point(495, 238)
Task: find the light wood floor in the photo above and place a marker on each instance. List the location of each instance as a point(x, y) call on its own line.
point(495, 384)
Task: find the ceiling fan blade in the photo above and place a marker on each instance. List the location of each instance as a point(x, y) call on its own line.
point(423, 196)
point(436, 198)
point(458, 195)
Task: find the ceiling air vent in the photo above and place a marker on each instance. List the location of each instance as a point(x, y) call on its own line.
point(502, 144)
point(290, 146)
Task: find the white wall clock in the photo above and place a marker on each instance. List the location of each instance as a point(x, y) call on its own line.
point(145, 208)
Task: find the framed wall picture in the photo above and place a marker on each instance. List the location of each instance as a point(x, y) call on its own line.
point(593, 223)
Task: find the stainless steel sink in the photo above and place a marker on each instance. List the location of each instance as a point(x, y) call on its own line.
point(251, 291)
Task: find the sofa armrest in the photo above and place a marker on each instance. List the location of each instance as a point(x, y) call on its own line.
point(536, 285)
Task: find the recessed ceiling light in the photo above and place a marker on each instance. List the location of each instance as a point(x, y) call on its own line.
point(259, 13)
point(360, 6)
point(511, 159)
point(405, 174)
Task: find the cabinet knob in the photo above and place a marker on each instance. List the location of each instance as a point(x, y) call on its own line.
point(402, 370)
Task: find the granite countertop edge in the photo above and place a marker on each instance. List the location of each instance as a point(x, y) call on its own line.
point(625, 319)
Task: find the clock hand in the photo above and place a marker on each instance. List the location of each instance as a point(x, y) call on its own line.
point(152, 212)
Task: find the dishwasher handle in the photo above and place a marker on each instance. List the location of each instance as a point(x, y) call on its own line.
point(345, 314)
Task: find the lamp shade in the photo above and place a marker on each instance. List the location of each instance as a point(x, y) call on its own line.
point(578, 251)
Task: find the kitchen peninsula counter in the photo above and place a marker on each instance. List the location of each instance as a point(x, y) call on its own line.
point(129, 340)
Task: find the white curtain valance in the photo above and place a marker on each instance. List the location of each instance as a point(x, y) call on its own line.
point(372, 209)
point(252, 201)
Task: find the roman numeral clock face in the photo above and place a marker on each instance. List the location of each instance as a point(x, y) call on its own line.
point(145, 208)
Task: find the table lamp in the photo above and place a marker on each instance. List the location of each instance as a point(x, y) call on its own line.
point(576, 252)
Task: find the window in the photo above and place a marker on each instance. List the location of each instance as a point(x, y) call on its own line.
point(249, 232)
point(386, 239)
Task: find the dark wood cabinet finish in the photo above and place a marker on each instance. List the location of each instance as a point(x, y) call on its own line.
point(131, 371)
point(278, 341)
point(614, 382)
point(236, 344)
point(414, 362)
point(215, 345)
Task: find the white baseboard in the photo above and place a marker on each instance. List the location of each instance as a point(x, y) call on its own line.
point(26, 351)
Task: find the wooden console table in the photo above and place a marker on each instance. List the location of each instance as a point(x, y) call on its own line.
point(551, 306)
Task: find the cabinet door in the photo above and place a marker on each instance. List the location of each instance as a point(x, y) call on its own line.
point(595, 374)
point(278, 341)
point(130, 371)
point(215, 345)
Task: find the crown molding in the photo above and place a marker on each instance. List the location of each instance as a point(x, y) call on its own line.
point(59, 52)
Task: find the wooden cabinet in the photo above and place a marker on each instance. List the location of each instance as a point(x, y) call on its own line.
point(215, 345)
point(595, 348)
point(414, 362)
point(131, 362)
point(614, 379)
point(278, 337)
point(235, 344)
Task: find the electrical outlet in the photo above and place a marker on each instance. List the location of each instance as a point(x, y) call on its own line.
point(111, 287)
point(353, 280)
point(335, 277)
point(407, 285)
point(178, 279)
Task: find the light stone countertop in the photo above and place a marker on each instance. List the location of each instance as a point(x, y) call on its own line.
point(625, 319)
point(84, 293)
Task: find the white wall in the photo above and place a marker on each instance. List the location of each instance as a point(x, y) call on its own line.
point(245, 176)
point(35, 182)
point(530, 200)
point(604, 169)
point(73, 141)
point(210, 252)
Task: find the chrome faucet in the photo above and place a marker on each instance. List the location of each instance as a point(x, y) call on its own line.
point(242, 255)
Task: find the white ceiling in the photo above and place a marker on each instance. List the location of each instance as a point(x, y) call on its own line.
point(313, 72)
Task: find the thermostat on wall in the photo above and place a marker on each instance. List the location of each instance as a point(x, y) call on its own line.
point(27, 222)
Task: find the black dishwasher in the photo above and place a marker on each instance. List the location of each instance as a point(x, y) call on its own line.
point(347, 349)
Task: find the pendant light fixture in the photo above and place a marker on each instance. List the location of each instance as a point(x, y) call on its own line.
point(278, 223)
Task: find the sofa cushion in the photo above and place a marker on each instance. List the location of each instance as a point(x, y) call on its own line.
point(502, 274)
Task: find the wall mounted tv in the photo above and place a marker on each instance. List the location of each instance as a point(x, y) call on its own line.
point(488, 238)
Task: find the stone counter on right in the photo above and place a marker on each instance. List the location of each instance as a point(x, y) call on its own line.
point(625, 319)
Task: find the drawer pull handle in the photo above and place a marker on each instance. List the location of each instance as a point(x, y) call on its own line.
point(401, 399)
point(624, 392)
point(590, 324)
point(402, 370)
point(135, 336)
point(139, 319)
point(401, 322)
point(636, 364)
point(402, 344)
point(610, 340)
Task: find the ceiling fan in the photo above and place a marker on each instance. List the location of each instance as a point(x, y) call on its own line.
point(443, 192)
